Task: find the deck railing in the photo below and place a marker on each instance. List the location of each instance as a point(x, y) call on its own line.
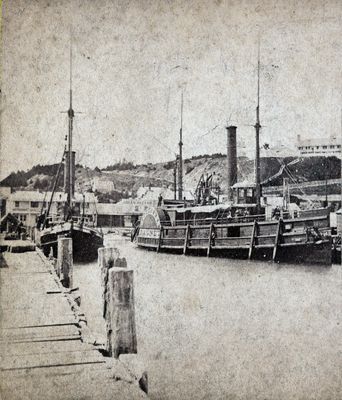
point(248, 236)
point(58, 219)
point(219, 221)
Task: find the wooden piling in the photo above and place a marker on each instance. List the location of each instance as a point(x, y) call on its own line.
point(118, 303)
point(122, 335)
point(106, 257)
point(65, 261)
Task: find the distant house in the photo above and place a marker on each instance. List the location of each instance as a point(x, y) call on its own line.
point(27, 205)
point(328, 146)
point(118, 215)
point(102, 185)
point(126, 212)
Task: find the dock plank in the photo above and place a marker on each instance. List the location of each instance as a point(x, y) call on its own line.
point(42, 352)
point(51, 359)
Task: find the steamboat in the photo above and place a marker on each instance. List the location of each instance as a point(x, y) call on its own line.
point(240, 228)
point(237, 231)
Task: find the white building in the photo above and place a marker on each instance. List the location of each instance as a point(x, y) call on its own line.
point(27, 205)
point(122, 214)
point(328, 146)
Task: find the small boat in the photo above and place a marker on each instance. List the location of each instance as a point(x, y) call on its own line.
point(71, 222)
point(85, 239)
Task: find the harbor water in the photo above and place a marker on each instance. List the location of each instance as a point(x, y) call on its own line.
point(210, 328)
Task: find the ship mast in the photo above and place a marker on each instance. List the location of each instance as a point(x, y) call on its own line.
point(71, 115)
point(257, 127)
point(180, 168)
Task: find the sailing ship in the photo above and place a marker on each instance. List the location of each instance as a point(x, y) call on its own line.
point(71, 221)
point(238, 229)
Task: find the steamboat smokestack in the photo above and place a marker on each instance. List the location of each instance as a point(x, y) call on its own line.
point(231, 160)
point(67, 171)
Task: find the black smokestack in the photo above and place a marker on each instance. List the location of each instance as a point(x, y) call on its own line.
point(67, 172)
point(231, 160)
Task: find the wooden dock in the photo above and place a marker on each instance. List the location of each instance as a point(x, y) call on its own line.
point(46, 349)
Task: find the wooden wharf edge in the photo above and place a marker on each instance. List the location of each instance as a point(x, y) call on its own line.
point(45, 340)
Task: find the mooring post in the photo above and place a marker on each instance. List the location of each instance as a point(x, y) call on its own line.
point(118, 303)
point(65, 261)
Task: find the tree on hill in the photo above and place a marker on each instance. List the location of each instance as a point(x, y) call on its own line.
point(15, 179)
point(42, 184)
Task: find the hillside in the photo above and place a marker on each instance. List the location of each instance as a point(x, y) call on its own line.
point(127, 178)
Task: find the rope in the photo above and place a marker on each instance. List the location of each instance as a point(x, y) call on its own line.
point(291, 176)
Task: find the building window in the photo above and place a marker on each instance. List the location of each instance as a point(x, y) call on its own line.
point(20, 217)
point(325, 147)
point(17, 204)
point(332, 146)
point(34, 204)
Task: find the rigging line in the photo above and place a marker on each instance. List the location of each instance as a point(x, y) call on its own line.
point(209, 131)
point(288, 172)
point(164, 145)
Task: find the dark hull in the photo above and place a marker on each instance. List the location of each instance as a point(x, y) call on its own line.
point(85, 244)
point(336, 256)
point(310, 253)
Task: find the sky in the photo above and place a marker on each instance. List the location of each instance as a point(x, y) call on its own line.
point(132, 60)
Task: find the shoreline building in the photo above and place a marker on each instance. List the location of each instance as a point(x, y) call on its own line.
point(319, 147)
point(26, 206)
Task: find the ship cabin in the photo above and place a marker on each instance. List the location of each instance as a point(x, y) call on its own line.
point(244, 193)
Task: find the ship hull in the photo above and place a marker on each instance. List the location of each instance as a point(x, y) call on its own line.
point(304, 253)
point(85, 241)
point(301, 240)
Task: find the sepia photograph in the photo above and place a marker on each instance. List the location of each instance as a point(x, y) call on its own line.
point(170, 199)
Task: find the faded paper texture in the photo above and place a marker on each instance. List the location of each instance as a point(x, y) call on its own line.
point(206, 328)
